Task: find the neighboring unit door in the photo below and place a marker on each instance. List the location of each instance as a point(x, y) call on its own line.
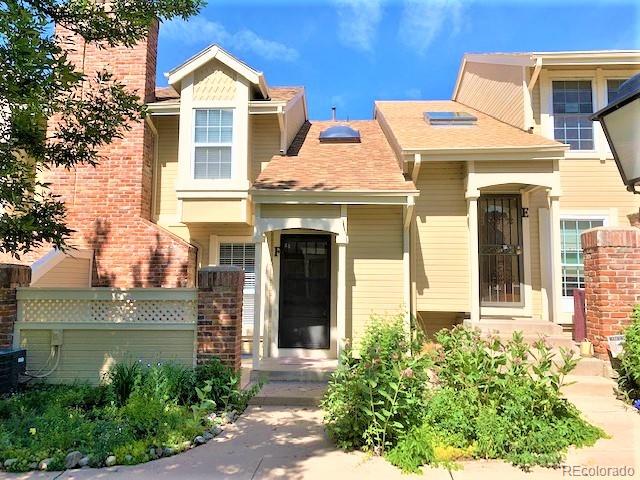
point(500, 250)
point(305, 291)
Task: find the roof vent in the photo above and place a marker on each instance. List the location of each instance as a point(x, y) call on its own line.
point(340, 134)
point(450, 118)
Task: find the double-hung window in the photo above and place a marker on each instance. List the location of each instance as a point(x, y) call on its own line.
point(612, 89)
point(571, 251)
point(243, 255)
point(213, 138)
point(572, 107)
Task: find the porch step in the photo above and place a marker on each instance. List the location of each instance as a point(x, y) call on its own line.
point(290, 394)
point(510, 325)
point(554, 341)
point(293, 370)
point(593, 367)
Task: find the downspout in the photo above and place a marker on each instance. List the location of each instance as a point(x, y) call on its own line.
point(528, 93)
point(406, 261)
point(417, 162)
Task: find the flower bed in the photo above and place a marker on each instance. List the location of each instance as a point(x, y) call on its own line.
point(140, 413)
point(628, 367)
point(470, 397)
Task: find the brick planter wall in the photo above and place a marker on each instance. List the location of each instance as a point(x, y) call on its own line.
point(11, 277)
point(612, 276)
point(219, 328)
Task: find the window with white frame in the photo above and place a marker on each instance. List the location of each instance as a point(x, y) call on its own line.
point(241, 255)
point(572, 107)
point(612, 88)
point(213, 137)
point(571, 251)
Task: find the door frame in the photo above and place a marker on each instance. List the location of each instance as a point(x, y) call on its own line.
point(524, 307)
point(274, 300)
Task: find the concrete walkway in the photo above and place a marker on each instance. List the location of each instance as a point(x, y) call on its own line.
point(280, 442)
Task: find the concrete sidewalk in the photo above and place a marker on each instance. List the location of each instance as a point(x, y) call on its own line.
point(280, 442)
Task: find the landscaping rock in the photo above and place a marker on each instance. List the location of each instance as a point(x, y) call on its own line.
point(33, 465)
point(208, 435)
point(159, 452)
point(44, 464)
point(128, 459)
point(153, 453)
point(110, 461)
point(199, 440)
point(186, 445)
point(216, 431)
point(168, 451)
point(9, 461)
point(84, 461)
point(72, 459)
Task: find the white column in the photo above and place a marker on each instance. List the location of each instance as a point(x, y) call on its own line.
point(341, 295)
point(474, 260)
point(257, 302)
point(556, 259)
point(265, 299)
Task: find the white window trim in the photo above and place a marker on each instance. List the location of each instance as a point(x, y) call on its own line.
point(567, 302)
point(229, 145)
point(214, 249)
point(598, 79)
point(594, 107)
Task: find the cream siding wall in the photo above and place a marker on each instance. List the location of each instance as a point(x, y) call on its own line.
point(300, 211)
point(497, 90)
point(441, 260)
point(70, 272)
point(594, 186)
point(88, 354)
point(374, 265)
point(167, 166)
point(295, 119)
point(264, 132)
point(214, 81)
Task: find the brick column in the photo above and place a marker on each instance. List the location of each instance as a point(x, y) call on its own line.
point(11, 277)
point(219, 329)
point(612, 276)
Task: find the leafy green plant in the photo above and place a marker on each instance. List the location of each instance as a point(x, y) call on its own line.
point(373, 400)
point(205, 404)
point(123, 378)
point(628, 367)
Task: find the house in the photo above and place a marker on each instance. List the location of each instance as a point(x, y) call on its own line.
point(466, 209)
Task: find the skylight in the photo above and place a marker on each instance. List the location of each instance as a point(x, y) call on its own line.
point(340, 134)
point(450, 118)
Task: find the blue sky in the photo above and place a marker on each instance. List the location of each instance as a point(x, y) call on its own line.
point(349, 53)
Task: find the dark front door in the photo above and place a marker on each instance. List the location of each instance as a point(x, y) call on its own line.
point(305, 291)
point(500, 249)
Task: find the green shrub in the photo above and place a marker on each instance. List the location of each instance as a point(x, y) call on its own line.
point(495, 400)
point(629, 362)
point(123, 378)
point(225, 385)
point(373, 400)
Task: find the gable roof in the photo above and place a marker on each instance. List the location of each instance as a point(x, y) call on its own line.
point(215, 52)
point(406, 123)
point(369, 166)
point(284, 93)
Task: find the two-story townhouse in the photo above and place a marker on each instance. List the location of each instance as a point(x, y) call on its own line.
point(463, 209)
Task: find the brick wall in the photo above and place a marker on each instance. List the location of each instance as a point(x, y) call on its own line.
point(612, 276)
point(11, 276)
point(219, 328)
point(109, 206)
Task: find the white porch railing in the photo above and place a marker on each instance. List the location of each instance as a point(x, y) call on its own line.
point(107, 306)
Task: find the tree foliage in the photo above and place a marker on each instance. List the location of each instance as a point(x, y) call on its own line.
point(38, 83)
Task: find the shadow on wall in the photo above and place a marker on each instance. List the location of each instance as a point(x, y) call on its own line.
point(145, 271)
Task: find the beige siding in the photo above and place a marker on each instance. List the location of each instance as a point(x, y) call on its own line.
point(70, 272)
point(265, 141)
point(214, 81)
point(374, 265)
point(592, 186)
point(201, 234)
point(496, 90)
point(523, 167)
point(88, 354)
point(215, 211)
point(295, 119)
point(167, 167)
point(442, 253)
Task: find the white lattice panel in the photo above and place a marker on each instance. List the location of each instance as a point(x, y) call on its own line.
point(116, 309)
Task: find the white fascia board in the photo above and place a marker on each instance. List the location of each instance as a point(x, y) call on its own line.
point(521, 59)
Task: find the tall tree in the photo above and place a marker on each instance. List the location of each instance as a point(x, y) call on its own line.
point(38, 84)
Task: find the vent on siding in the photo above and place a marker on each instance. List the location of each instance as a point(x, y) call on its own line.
point(450, 118)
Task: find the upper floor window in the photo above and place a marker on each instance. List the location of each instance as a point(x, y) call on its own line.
point(213, 136)
point(572, 107)
point(612, 89)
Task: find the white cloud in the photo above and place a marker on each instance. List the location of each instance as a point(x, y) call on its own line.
point(199, 30)
point(358, 22)
point(423, 20)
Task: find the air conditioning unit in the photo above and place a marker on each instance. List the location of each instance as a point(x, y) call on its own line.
point(13, 363)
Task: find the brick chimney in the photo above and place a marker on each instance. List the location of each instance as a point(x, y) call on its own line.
point(109, 206)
